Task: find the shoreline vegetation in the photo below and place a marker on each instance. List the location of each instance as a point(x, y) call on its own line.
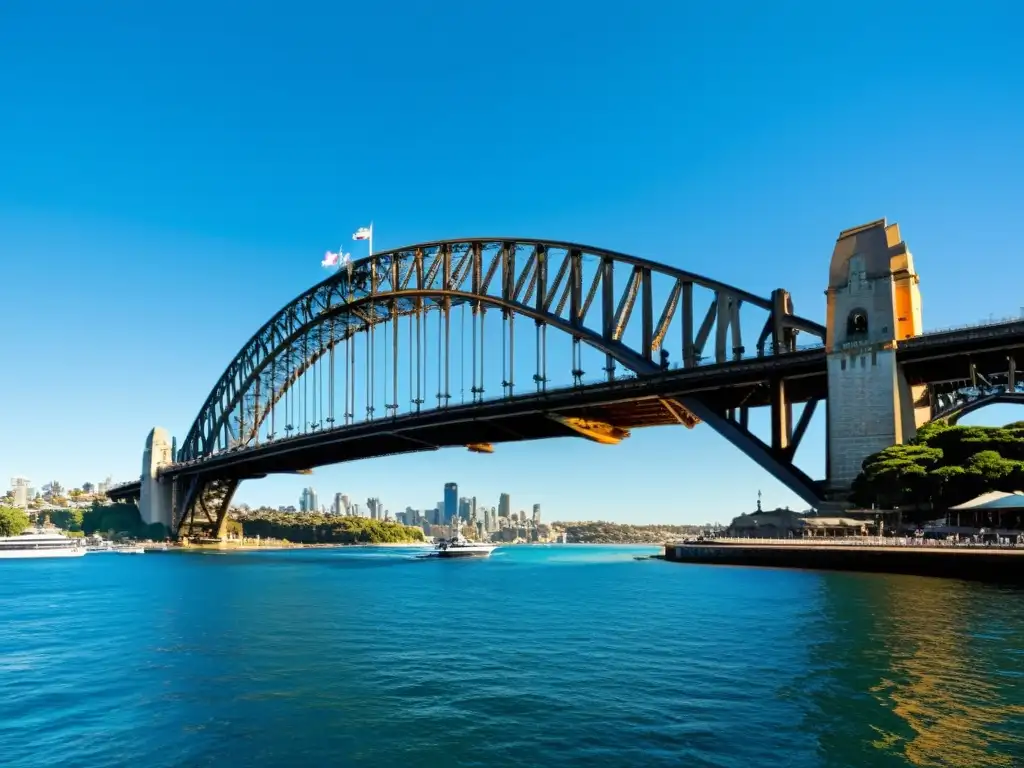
point(266, 528)
point(314, 528)
point(943, 466)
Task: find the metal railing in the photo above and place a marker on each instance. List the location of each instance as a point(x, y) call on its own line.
point(1005, 540)
point(980, 324)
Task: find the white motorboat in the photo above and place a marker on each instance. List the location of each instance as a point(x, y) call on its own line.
point(459, 546)
point(40, 542)
point(130, 549)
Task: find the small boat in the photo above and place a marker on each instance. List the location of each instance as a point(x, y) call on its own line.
point(130, 549)
point(459, 546)
point(40, 542)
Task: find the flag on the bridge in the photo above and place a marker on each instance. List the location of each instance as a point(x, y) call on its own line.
point(332, 259)
point(363, 233)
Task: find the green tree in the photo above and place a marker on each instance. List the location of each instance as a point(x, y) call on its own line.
point(316, 528)
point(942, 467)
point(67, 519)
point(12, 521)
point(113, 519)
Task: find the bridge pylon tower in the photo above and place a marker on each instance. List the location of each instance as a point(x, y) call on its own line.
point(874, 302)
point(155, 502)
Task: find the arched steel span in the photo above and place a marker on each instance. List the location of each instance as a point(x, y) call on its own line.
point(538, 279)
point(953, 412)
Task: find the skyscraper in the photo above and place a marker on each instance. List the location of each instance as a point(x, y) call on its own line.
point(451, 501)
point(308, 501)
point(340, 503)
point(536, 514)
point(504, 505)
point(376, 510)
point(464, 510)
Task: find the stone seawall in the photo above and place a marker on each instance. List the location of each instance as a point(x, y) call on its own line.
point(1003, 566)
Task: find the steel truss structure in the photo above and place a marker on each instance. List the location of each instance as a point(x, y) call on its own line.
point(620, 305)
point(952, 400)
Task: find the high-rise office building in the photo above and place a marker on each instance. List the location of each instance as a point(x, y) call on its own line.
point(536, 514)
point(464, 510)
point(20, 489)
point(376, 510)
point(504, 505)
point(308, 501)
point(339, 505)
point(451, 501)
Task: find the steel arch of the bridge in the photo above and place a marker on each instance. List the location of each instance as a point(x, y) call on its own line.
point(953, 412)
point(512, 275)
point(952, 400)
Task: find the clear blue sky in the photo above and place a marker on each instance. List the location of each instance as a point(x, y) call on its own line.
point(171, 173)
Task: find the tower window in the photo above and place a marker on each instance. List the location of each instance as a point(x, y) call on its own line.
point(857, 324)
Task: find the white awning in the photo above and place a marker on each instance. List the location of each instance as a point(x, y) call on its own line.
point(993, 500)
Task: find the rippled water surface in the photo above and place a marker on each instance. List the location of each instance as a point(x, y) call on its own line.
point(540, 656)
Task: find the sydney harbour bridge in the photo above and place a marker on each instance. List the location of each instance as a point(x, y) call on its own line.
point(483, 341)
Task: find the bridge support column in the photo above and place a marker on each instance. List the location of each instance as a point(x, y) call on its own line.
point(155, 503)
point(204, 507)
point(873, 303)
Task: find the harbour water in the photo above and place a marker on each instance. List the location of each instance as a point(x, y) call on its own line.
point(538, 656)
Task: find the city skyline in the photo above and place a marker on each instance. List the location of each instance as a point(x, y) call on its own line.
point(744, 169)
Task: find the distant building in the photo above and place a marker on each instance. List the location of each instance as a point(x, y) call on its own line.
point(504, 505)
point(464, 510)
point(308, 501)
point(451, 501)
point(376, 511)
point(20, 490)
point(340, 507)
point(536, 514)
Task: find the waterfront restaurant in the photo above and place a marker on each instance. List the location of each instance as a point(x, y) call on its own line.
point(833, 526)
point(996, 510)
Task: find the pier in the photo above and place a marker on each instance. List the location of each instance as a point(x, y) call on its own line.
point(993, 564)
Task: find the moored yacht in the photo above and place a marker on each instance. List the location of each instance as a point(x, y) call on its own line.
point(40, 542)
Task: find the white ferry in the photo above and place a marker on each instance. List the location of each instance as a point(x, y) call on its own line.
point(39, 542)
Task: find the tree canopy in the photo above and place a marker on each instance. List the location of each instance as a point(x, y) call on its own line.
point(315, 528)
point(943, 466)
point(12, 521)
point(110, 519)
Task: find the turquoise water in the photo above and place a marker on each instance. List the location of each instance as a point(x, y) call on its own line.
point(542, 656)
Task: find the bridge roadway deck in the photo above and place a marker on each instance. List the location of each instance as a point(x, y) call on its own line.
point(635, 403)
point(630, 403)
point(948, 355)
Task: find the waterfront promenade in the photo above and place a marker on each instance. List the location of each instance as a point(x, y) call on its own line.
point(995, 563)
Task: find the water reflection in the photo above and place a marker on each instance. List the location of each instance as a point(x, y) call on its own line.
point(928, 672)
point(951, 679)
